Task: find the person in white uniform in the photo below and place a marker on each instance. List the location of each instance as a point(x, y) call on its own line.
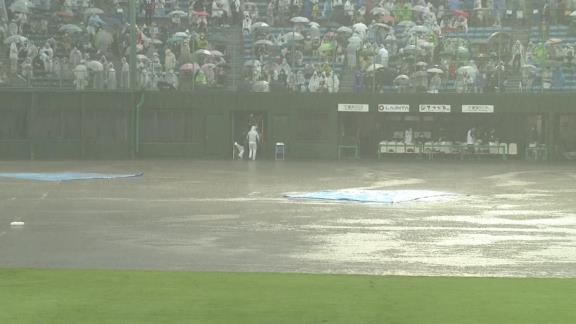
point(253, 139)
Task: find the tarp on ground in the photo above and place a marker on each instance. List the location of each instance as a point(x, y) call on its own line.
point(67, 176)
point(371, 196)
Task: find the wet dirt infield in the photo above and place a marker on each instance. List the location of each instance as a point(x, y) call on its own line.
point(509, 219)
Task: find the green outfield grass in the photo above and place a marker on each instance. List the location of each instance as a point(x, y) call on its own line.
point(91, 296)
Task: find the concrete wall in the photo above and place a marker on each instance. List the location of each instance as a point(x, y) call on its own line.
point(121, 125)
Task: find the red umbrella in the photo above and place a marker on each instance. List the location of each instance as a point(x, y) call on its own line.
point(202, 14)
point(460, 12)
point(189, 67)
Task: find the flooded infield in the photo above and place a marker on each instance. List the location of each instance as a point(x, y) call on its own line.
point(508, 218)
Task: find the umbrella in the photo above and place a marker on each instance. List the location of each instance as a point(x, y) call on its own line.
point(380, 25)
point(373, 67)
point(93, 11)
point(380, 11)
point(181, 34)
point(80, 68)
point(22, 6)
point(465, 69)
point(204, 52)
point(292, 36)
point(175, 39)
point(344, 29)
point(419, 8)
point(360, 26)
point(156, 41)
point(460, 12)
point(421, 64)
point(15, 39)
point(260, 24)
point(251, 63)
point(303, 20)
point(419, 29)
point(410, 49)
point(208, 66)
point(401, 79)
point(313, 24)
point(530, 67)
point(95, 20)
point(553, 41)
point(202, 14)
point(264, 42)
point(178, 13)
point(216, 53)
point(435, 70)
point(65, 14)
point(70, 28)
point(95, 66)
point(573, 14)
point(142, 57)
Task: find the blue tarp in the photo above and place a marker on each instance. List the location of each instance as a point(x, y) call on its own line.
point(374, 196)
point(66, 176)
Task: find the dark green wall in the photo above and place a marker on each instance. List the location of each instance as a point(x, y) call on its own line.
point(119, 125)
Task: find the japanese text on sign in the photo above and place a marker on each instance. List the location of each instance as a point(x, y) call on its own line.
point(483, 109)
point(435, 108)
point(393, 108)
point(353, 107)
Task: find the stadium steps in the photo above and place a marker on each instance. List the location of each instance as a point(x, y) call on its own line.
point(235, 49)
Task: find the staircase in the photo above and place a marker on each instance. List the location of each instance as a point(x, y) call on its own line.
point(235, 54)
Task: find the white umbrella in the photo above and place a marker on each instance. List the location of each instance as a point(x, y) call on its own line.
point(260, 24)
point(573, 14)
point(344, 29)
point(435, 70)
point(70, 28)
point(421, 64)
point(401, 79)
point(142, 57)
point(80, 68)
point(465, 69)
point(15, 39)
point(302, 20)
point(360, 26)
point(419, 8)
point(156, 41)
point(381, 25)
point(178, 13)
point(314, 24)
point(181, 34)
point(216, 53)
point(208, 66)
point(204, 52)
point(260, 86)
point(95, 66)
point(93, 11)
point(264, 42)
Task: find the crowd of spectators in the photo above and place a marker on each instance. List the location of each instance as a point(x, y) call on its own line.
point(87, 46)
point(291, 45)
point(404, 45)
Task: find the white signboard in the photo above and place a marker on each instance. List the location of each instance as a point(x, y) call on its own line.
point(353, 107)
point(393, 108)
point(435, 108)
point(480, 109)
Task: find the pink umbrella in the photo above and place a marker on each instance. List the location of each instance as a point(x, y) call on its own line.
point(189, 67)
point(202, 14)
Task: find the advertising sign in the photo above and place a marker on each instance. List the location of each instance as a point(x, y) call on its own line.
point(435, 108)
point(353, 107)
point(393, 108)
point(480, 109)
